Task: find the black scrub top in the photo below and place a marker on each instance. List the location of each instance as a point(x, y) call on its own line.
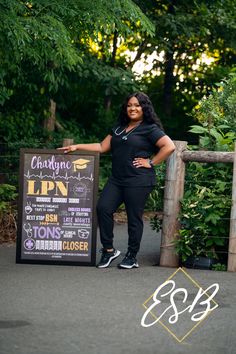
point(140, 142)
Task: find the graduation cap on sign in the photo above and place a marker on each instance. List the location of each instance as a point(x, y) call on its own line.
point(80, 164)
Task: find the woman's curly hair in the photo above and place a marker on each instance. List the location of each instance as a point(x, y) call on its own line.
point(149, 115)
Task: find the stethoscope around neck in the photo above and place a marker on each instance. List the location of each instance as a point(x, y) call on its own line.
point(125, 137)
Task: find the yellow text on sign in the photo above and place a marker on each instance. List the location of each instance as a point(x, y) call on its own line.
point(47, 187)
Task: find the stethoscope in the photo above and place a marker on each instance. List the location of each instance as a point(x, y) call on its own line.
point(28, 229)
point(125, 137)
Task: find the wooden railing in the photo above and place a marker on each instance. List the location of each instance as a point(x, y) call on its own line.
point(174, 190)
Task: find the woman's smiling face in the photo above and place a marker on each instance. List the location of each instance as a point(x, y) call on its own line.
point(134, 110)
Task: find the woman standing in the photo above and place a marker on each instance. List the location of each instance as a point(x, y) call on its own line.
point(137, 143)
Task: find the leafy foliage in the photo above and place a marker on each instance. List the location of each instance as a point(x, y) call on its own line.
point(46, 53)
point(7, 194)
point(195, 46)
point(79, 54)
point(206, 204)
point(219, 267)
point(218, 110)
point(205, 212)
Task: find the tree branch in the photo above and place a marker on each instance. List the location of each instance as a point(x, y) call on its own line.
point(113, 57)
point(140, 51)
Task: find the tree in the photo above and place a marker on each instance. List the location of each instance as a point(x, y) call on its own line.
point(187, 35)
point(44, 43)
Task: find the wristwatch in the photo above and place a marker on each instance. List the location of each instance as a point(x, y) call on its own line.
point(151, 163)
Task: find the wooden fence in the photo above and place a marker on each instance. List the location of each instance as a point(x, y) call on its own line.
point(174, 190)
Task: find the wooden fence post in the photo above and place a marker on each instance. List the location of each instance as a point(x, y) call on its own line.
point(67, 142)
point(174, 189)
point(232, 234)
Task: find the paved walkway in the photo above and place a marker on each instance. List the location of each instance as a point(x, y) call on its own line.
point(70, 310)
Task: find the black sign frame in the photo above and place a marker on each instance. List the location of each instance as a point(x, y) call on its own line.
point(80, 154)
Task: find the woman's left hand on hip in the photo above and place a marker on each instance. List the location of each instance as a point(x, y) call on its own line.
point(141, 162)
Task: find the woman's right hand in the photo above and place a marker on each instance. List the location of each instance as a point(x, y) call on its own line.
point(69, 148)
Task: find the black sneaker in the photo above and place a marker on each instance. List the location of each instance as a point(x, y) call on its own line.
point(107, 258)
point(129, 261)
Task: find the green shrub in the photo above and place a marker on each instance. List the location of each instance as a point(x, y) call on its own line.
point(206, 204)
point(7, 195)
point(219, 267)
point(205, 211)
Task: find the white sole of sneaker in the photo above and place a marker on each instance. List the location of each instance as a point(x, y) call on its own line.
point(128, 267)
point(116, 255)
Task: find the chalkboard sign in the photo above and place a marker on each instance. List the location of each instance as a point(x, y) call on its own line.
point(57, 201)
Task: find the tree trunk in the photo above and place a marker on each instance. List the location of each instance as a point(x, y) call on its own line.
point(169, 70)
point(168, 83)
point(50, 121)
point(107, 100)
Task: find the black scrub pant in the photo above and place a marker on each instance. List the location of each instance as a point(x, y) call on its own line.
point(111, 198)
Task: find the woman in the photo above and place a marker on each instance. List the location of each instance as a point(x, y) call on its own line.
point(137, 143)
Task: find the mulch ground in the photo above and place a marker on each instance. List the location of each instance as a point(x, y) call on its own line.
point(8, 227)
